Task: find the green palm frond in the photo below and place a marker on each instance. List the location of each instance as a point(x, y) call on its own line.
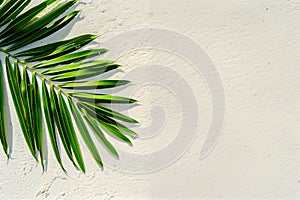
point(60, 66)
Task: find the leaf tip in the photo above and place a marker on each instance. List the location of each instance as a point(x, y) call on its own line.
point(133, 101)
point(93, 37)
point(76, 12)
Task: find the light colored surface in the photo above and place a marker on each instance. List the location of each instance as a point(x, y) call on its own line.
point(255, 46)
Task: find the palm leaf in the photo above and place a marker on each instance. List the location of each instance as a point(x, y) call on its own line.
point(19, 106)
point(60, 66)
point(101, 98)
point(2, 114)
point(100, 134)
point(23, 19)
point(57, 49)
point(83, 73)
point(96, 64)
point(61, 126)
point(34, 26)
point(110, 113)
point(37, 116)
point(85, 133)
point(50, 122)
point(13, 11)
point(45, 31)
point(77, 56)
point(99, 84)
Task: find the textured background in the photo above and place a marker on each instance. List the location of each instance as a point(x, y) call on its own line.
point(255, 45)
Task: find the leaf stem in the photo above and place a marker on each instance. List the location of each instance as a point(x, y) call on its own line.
point(35, 72)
